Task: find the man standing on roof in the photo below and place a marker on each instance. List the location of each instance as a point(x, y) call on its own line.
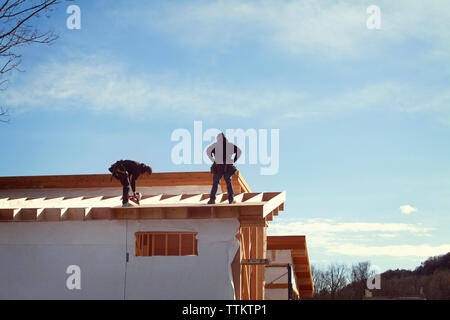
point(127, 172)
point(221, 153)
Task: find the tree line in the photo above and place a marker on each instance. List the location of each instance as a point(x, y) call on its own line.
point(430, 280)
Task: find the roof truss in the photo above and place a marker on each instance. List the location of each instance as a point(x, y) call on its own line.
point(252, 209)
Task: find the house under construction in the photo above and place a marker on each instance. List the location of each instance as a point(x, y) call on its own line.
point(173, 246)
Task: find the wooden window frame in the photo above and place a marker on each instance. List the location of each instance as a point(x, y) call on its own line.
point(146, 244)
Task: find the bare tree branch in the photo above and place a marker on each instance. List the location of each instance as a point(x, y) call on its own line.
point(17, 28)
point(4, 115)
point(336, 278)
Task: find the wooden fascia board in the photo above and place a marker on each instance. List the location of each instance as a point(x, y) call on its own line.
point(274, 203)
point(246, 215)
point(104, 181)
point(285, 242)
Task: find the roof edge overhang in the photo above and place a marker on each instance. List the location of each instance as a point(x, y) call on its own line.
point(104, 181)
point(300, 260)
point(252, 209)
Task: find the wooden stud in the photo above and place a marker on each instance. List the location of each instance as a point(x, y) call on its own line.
point(166, 249)
point(153, 244)
point(253, 251)
point(245, 270)
point(260, 269)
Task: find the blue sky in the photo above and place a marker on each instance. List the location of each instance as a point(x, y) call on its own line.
point(364, 115)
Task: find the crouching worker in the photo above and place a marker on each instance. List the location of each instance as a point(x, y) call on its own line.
point(221, 154)
point(127, 172)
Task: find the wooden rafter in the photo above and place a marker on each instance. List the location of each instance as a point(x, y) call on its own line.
point(249, 208)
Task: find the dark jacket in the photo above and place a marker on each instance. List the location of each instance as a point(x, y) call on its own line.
point(222, 152)
point(124, 169)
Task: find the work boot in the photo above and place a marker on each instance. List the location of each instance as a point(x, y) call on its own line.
point(126, 205)
point(232, 201)
point(212, 201)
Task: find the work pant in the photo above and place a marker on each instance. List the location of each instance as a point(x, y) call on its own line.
point(126, 189)
point(222, 171)
point(123, 178)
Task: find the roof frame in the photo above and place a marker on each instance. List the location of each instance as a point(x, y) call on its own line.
point(250, 208)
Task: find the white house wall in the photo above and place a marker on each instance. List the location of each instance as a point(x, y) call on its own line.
point(34, 257)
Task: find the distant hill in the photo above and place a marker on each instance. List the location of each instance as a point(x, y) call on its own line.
point(430, 280)
point(429, 267)
point(434, 264)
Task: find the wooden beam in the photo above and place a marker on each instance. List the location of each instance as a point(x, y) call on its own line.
point(301, 268)
point(102, 213)
point(253, 255)
point(260, 254)
point(300, 260)
point(253, 197)
point(304, 282)
point(74, 214)
point(307, 293)
point(299, 253)
point(250, 210)
point(176, 213)
point(169, 198)
point(242, 182)
point(226, 212)
point(245, 270)
point(276, 286)
point(153, 199)
point(190, 198)
point(274, 203)
point(275, 212)
point(255, 261)
point(251, 221)
point(7, 215)
point(27, 214)
point(286, 242)
point(203, 212)
point(104, 181)
point(49, 214)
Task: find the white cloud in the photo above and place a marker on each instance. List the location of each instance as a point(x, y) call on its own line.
point(407, 209)
point(422, 251)
point(99, 84)
point(105, 85)
point(328, 226)
point(293, 26)
point(387, 235)
point(327, 27)
point(393, 96)
point(360, 238)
